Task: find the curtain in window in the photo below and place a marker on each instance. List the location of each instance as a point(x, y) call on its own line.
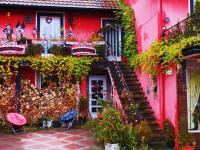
point(193, 77)
point(50, 30)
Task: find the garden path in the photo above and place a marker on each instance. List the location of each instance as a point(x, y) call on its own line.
point(60, 139)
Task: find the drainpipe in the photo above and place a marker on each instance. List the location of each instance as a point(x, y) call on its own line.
point(162, 76)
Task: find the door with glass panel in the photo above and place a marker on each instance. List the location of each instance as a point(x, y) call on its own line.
point(97, 90)
point(113, 39)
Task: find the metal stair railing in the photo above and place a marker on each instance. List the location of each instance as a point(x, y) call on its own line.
point(122, 79)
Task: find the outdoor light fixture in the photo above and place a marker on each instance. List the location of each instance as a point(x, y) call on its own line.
point(167, 19)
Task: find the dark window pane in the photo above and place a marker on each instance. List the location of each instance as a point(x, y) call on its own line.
point(94, 109)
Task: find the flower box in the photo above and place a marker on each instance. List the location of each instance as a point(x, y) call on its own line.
point(109, 146)
point(187, 148)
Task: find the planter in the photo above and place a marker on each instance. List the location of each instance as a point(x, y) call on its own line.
point(109, 146)
point(49, 123)
point(37, 55)
point(187, 148)
point(44, 124)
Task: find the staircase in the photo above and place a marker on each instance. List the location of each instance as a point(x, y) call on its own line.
point(139, 98)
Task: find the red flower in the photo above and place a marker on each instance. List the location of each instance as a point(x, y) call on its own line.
point(99, 116)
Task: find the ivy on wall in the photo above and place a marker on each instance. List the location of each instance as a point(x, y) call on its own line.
point(127, 20)
point(162, 54)
point(69, 67)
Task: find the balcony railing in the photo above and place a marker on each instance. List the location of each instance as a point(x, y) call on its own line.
point(185, 28)
point(20, 47)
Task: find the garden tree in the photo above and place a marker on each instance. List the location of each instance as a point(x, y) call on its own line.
point(197, 6)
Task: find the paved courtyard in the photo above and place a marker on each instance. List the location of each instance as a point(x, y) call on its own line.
point(60, 139)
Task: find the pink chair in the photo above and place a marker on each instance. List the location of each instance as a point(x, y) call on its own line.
point(17, 121)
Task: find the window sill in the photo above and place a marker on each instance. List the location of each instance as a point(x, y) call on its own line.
point(194, 131)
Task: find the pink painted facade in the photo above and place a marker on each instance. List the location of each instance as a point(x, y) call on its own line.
point(151, 17)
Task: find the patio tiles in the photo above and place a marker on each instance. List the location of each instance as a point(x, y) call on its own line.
point(59, 139)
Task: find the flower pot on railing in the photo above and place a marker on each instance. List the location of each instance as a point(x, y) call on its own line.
point(109, 146)
point(34, 50)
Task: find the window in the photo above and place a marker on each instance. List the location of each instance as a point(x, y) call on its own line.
point(193, 95)
point(50, 81)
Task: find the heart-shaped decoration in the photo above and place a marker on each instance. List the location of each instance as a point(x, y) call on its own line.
point(48, 20)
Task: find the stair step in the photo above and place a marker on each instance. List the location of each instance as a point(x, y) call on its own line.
point(157, 145)
point(152, 118)
point(147, 111)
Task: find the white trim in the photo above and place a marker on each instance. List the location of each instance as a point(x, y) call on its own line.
point(194, 131)
point(189, 5)
point(96, 77)
point(188, 103)
point(55, 12)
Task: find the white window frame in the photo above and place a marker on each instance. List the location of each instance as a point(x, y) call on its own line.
point(188, 104)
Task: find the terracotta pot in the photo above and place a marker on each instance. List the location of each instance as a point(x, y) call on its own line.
point(37, 55)
point(187, 148)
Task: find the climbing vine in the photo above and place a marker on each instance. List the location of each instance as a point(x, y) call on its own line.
point(162, 54)
point(127, 20)
point(69, 67)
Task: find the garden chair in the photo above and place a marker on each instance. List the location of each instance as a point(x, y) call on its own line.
point(17, 122)
point(69, 118)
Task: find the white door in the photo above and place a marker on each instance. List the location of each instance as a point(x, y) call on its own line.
point(50, 27)
point(97, 90)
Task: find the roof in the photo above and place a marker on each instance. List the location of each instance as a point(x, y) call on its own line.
point(94, 4)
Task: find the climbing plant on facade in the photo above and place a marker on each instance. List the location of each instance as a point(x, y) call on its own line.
point(162, 54)
point(127, 20)
point(69, 67)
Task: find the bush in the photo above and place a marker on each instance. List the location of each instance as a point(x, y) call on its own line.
point(168, 132)
point(111, 129)
point(143, 132)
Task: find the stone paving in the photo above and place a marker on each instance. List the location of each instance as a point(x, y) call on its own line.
point(74, 139)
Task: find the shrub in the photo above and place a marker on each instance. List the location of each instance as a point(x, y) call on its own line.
point(168, 132)
point(111, 129)
point(143, 132)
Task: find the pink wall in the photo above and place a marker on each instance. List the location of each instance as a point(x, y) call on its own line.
point(86, 23)
point(150, 17)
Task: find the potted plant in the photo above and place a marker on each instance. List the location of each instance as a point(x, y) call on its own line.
point(35, 50)
point(168, 132)
point(100, 50)
point(56, 50)
point(185, 139)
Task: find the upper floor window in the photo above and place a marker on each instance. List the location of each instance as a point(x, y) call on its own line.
point(193, 95)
